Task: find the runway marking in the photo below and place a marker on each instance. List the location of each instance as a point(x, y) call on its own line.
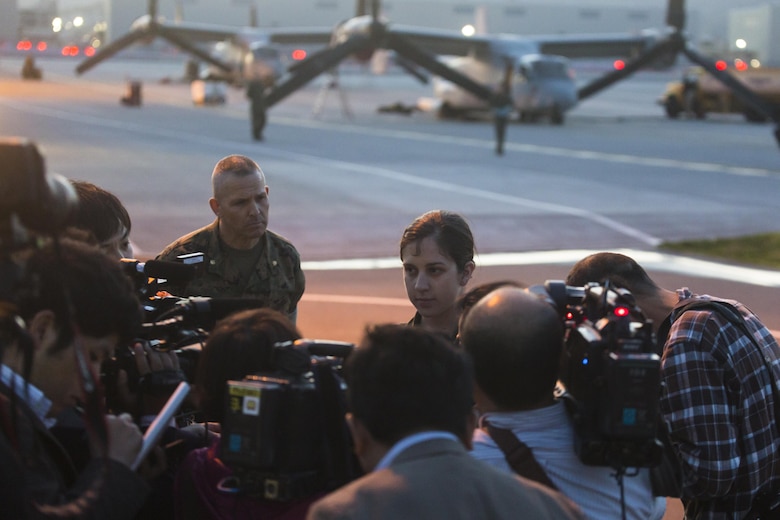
point(650, 260)
point(355, 300)
point(653, 162)
point(394, 175)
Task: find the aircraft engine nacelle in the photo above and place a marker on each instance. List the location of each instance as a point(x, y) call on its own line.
point(353, 26)
point(142, 23)
point(263, 63)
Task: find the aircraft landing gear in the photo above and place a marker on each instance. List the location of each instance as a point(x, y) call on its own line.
point(446, 111)
point(556, 116)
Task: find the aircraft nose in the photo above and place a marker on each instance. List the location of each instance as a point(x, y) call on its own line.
point(564, 94)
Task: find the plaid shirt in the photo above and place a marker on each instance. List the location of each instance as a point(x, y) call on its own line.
point(719, 405)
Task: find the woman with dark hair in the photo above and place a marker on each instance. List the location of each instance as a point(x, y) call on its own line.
point(239, 345)
point(437, 251)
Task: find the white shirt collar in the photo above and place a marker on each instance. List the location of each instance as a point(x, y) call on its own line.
point(409, 441)
point(29, 393)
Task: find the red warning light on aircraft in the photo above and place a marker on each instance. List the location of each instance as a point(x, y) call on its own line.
point(621, 312)
point(740, 64)
point(619, 64)
point(721, 65)
point(299, 54)
point(90, 51)
point(41, 46)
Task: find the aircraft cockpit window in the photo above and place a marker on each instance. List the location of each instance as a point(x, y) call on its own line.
point(550, 69)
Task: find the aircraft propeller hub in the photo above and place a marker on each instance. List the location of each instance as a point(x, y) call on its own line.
point(143, 22)
point(359, 25)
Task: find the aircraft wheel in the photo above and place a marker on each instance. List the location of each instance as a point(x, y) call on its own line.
point(754, 116)
point(672, 107)
point(447, 112)
point(556, 116)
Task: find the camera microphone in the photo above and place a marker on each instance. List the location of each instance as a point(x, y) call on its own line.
point(172, 271)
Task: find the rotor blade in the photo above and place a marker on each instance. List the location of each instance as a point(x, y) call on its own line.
point(740, 90)
point(411, 69)
point(298, 65)
point(429, 62)
point(314, 66)
point(360, 8)
point(113, 48)
point(187, 46)
point(673, 44)
point(675, 14)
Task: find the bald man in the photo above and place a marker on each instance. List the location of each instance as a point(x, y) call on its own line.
point(242, 257)
point(515, 340)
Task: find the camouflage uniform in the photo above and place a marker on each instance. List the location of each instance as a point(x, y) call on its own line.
point(277, 279)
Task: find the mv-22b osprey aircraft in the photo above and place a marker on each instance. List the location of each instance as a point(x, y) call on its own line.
point(528, 77)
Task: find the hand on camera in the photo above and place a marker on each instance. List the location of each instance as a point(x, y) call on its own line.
point(159, 372)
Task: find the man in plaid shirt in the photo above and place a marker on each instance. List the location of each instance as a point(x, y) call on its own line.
point(719, 400)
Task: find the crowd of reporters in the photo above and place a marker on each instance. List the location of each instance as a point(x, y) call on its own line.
point(414, 409)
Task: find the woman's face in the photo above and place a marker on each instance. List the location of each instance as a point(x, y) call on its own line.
point(433, 283)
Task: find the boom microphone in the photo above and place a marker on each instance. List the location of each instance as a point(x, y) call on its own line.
point(176, 272)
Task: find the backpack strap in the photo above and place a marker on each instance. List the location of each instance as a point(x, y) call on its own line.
point(519, 455)
point(729, 312)
point(767, 501)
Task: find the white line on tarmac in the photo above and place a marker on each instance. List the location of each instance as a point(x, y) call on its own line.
point(414, 180)
point(363, 169)
point(653, 162)
point(650, 260)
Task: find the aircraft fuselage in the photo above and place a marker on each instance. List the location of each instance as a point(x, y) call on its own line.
point(541, 85)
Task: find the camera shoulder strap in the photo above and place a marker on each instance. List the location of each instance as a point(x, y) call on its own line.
point(733, 315)
point(519, 455)
point(768, 501)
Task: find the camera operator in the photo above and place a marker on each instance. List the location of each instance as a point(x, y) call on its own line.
point(239, 345)
point(515, 340)
point(76, 305)
point(720, 369)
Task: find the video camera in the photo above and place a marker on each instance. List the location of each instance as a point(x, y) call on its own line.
point(31, 200)
point(611, 374)
point(171, 324)
point(284, 433)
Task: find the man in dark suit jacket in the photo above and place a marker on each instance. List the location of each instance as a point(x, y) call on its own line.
point(410, 400)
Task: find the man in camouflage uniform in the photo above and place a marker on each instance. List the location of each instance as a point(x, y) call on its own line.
point(242, 258)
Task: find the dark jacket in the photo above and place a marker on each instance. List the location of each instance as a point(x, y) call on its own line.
point(44, 478)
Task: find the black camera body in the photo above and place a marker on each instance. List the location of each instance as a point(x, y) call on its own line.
point(611, 373)
point(33, 203)
point(284, 433)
